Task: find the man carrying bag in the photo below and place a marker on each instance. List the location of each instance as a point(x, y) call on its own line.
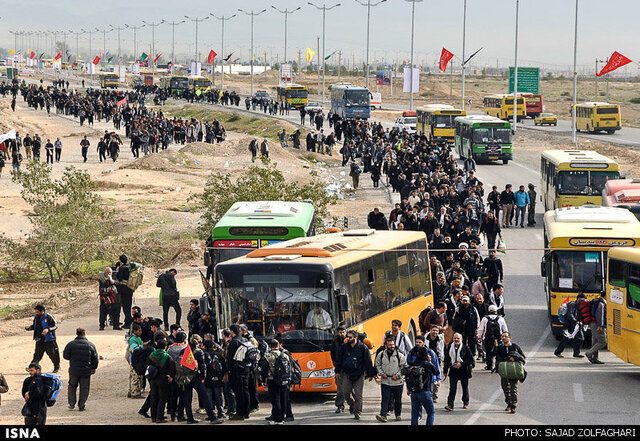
point(510, 361)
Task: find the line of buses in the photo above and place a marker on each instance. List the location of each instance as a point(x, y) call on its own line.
point(591, 240)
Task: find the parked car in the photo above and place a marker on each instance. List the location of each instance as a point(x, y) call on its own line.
point(313, 106)
point(406, 122)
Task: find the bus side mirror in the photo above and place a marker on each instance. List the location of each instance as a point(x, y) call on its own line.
point(543, 265)
point(207, 258)
point(342, 299)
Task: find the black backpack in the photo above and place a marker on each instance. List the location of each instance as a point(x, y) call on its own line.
point(493, 329)
point(414, 377)
point(282, 370)
point(296, 371)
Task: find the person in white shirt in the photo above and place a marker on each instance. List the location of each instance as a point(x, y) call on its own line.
point(492, 326)
point(318, 318)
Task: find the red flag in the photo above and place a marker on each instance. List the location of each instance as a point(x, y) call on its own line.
point(188, 360)
point(444, 59)
point(617, 60)
point(212, 56)
point(156, 59)
point(96, 60)
point(33, 54)
point(122, 102)
point(57, 57)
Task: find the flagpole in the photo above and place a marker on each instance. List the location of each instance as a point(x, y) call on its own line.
point(252, 14)
point(464, 41)
point(575, 78)
point(223, 19)
point(173, 40)
point(515, 75)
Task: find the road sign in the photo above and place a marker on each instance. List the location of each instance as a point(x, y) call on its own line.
point(528, 79)
point(469, 101)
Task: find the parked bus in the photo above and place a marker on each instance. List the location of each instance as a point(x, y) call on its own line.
point(486, 137)
point(622, 193)
point(570, 178)
point(109, 79)
point(199, 83)
point(623, 303)
point(296, 95)
point(534, 106)
point(501, 106)
point(174, 84)
point(350, 102)
point(577, 240)
point(362, 278)
point(436, 122)
point(598, 117)
point(250, 225)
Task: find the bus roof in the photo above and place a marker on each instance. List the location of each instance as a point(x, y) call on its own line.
point(595, 104)
point(472, 119)
point(268, 213)
point(336, 249)
point(431, 107)
point(579, 159)
point(590, 221)
point(347, 86)
point(290, 86)
point(629, 254)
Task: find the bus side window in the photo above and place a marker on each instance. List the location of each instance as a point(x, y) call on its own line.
point(341, 281)
point(617, 273)
point(633, 288)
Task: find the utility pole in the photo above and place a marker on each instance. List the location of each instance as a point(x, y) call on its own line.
point(173, 40)
point(223, 19)
point(197, 20)
point(135, 39)
point(413, 14)
point(253, 14)
point(153, 42)
point(286, 13)
point(515, 75)
point(464, 41)
point(575, 78)
point(368, 5)
point(339, 65)
point(119, 53)
point(324, 10)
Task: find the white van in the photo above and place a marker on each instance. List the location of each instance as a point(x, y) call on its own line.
point(376, 101)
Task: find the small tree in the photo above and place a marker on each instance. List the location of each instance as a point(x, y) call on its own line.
point(70, 223)
point(259, 183)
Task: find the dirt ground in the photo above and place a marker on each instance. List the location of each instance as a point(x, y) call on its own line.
point(150, 197)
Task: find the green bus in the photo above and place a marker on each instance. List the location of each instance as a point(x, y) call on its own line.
point(250, 225)
point(485, 137)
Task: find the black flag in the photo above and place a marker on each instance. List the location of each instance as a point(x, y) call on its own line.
point(472, 55)
point(229, 56)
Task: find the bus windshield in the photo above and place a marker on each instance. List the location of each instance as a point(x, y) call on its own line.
point(584, 182)
point(295, 305)
point(296, 93)
point(443, 121)
point(577, 271)
point(202, 83)
point(357, 98)
point(179, 83)
point(491, 135)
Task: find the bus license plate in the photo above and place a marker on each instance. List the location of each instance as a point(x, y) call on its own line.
point(493, 158)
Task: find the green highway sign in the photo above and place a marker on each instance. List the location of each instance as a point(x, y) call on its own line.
point(528, 79)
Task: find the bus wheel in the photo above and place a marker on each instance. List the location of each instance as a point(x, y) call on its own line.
point(505, 161)
point(610, 131)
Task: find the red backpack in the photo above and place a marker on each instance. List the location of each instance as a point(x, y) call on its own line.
point(584, 311)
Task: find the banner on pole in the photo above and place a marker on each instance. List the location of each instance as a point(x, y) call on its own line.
point(411, 80)
point(445, 57)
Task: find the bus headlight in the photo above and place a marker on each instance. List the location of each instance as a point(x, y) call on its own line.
point(323, 373)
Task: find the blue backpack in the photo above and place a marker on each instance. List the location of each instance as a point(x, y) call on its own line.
point(53, 384)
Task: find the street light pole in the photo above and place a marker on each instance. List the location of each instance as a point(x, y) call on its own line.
point(575, 78)
point(286, 13)
point(464, 42)
point(413, 15)
point(223, 19)
point(368, 5)
point(324, 10)
point(119, 53)
point(515, 75)
point(153, 42)
point(197, 20)
point(252, 14)
point(135, 38)
point(173, 40)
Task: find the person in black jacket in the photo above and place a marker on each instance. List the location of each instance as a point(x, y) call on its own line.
point(237, 375)
point(170, 296)
point(34, 393)
point(124, 292)
point(508, 351)
point(83, 362)
point(376, 220)
point(193, 315)
point(423, 398)
point(161, 382)
point(337, 343)
point(353, 363)
point(458, 365)
point(205, 325)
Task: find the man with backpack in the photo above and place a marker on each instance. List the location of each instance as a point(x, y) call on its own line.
point(83, 362)
point(572, 333)
point(241, 358)
point(419, 375)
point(338, 342)
point(353, 363)
point(44, 333)
point(278, 378)
point(34, 392)
point(389, 363)
point(400, 339)
point(254, 401)
point(491, 328)
point(214, 360)
point(161, 374)
point(598, 326)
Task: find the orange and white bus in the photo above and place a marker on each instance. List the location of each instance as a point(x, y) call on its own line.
point(360, 278)
point(622, 193)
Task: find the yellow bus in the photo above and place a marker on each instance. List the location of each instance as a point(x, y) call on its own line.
point(360, 278)
point(435, 122)
point(501, 106)
point(571, 178)
point(199, 83)
point(576, 240)
point(598, 117)
point(623, 303)
point(296, 95)
point(109, 79)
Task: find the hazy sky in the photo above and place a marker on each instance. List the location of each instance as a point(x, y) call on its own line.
point(546, 28)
